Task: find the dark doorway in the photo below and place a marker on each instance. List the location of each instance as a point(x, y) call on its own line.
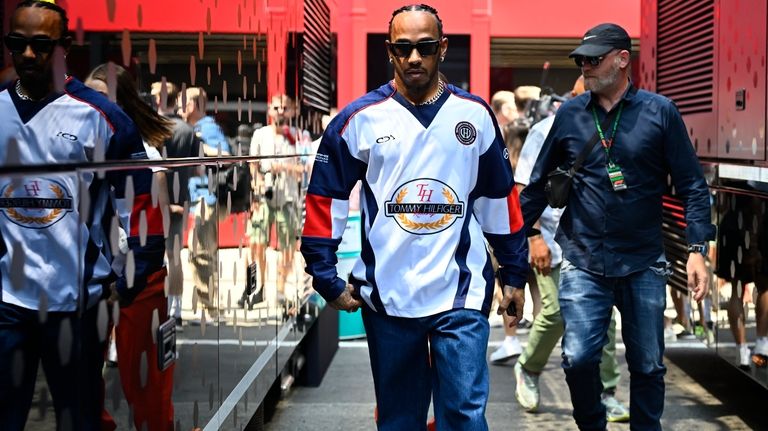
point(455, 67)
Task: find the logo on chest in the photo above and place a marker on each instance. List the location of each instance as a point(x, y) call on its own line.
point(35, 204)
point(67, 136)
point(384, 139)
point(466, 133)
point(424, 206)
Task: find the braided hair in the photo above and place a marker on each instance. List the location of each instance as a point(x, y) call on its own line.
point(50, 6)
point(419, 8)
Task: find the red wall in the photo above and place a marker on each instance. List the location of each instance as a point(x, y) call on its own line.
point(352, 20)
point(512, 18)
point(508, 18)
point(482, 19)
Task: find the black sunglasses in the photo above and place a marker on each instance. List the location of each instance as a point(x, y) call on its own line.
point(580, 60)
point(404, 49)
point(41, 45)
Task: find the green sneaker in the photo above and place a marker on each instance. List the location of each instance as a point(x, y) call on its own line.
point(527, 389)
point(614, 409)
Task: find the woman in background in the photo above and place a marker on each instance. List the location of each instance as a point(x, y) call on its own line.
point(150, 398)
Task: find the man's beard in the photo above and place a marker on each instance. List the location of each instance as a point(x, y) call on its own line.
point(416, 87)
point(598, 85)
point(34, 77)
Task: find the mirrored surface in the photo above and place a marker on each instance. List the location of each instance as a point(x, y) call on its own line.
point(235, 322)
point(741, 281)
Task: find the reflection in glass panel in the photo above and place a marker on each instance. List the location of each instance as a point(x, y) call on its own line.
point(195, 331)
point(687, 320)
point(742, 278)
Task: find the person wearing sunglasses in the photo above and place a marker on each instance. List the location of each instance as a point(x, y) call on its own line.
point(55, 252)
point(547, 329)
point(611, 230)
point(277, 185)
point(32, 49)
point(436, 185)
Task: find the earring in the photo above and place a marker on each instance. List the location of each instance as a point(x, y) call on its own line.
point(442, 59)
point(390, 59)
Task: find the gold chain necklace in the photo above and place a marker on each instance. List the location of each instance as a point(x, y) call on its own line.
point(24, 96)
point(433, 99)
point(21, 95)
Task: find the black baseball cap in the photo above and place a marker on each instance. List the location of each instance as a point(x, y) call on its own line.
point(602, 39)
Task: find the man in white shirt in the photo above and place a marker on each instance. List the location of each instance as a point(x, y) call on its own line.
point(276, 187)
point(56, 247)
point(436, 184)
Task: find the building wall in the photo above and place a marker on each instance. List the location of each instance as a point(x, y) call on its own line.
point(353, 20)
point(482, 19)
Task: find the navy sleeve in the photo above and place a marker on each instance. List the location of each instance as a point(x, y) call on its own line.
point(334, 174)
point(494, 173)
point(148, 255)
point(688, 178)
point(498, 211)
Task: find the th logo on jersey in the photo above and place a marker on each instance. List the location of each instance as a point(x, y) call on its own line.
point(424, 206)
point(35, 204)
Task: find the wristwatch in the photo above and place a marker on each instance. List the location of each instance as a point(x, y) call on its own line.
point(699, 247)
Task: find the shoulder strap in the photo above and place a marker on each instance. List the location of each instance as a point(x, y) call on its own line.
point(591, 144)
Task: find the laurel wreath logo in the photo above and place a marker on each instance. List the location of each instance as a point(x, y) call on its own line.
point(444, 220)
point(37, 220)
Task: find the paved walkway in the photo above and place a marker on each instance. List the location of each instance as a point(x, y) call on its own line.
point(703, 394)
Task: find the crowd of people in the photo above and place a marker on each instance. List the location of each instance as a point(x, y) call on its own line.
point(457, 222)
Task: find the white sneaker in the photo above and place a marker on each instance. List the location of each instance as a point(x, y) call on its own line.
point(174, 306)
point(526, 389)
point(744, 357)
point(669, 334)
point(509, 349)
point(112, 353)
point(614, 409)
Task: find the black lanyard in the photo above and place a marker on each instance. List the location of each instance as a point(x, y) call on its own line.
point(607, 143)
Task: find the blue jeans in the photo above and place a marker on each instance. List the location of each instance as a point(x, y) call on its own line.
point(72, 355)
point(586, 301)
point(442, 356)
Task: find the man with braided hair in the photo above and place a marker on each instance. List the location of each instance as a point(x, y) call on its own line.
point(436, 184)
point(55, 251)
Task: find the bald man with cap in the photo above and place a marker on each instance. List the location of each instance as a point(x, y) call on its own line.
point(547, 329)
point(611, 230)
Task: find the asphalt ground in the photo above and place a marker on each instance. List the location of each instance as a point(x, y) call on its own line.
point(703, 393)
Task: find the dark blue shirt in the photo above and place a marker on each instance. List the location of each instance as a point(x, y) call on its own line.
point(615, 233)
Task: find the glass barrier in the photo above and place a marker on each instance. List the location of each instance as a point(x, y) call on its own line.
point(211, 325)
point(212, 322)
point(741, 276)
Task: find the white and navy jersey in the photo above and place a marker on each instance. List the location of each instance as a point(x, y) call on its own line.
point(55, 247)
point(436, 183)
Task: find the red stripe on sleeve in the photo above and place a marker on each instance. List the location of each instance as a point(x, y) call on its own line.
point(154, 216)
point(319, 222)
point(515, 214)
